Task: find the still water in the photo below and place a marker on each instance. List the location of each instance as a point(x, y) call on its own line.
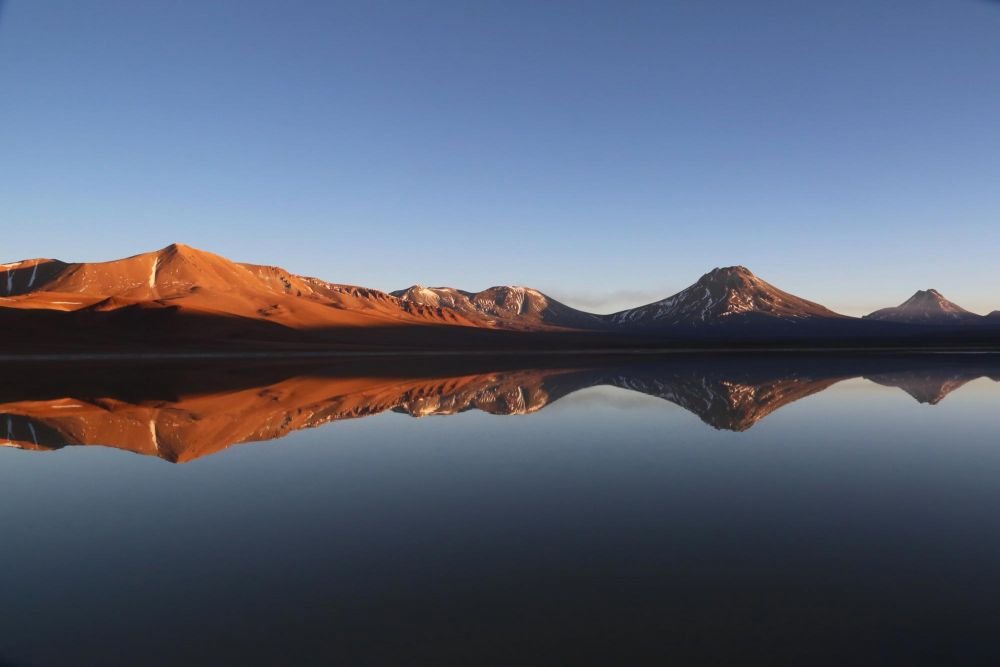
point(687, 509)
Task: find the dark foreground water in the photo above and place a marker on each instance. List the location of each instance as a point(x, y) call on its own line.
point(686, 510)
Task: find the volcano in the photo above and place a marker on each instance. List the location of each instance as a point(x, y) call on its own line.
point(724, 294)
point(925, 307)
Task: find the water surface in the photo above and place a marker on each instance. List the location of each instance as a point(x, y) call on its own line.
point(695, 509)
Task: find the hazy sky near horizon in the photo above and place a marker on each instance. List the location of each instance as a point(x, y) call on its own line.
point(607, 153)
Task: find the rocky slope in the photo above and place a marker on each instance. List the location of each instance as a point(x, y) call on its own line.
point(505, 306)
point(729, 293)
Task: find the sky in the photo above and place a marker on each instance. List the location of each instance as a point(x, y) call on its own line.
point(607, 153)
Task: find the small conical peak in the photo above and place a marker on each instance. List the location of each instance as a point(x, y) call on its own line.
point(929, 297)
point(927, 305)
point(180, 252)
point(181, 249)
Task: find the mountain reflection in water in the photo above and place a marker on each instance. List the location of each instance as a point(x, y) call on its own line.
point(181, 413)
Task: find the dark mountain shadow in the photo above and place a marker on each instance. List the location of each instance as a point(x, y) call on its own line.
point(181, 412)
point(163, 327)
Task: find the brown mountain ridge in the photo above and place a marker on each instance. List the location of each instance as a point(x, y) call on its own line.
point(185, 296)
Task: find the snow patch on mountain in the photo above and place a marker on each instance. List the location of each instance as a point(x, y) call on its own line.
point(507, 306)
point(720, 294)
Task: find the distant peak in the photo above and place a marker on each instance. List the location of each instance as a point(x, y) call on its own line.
point(927, 305)
point(739, 268)
point(731, 270)
point(733, 276)
point(417, 288)
point(927, 295)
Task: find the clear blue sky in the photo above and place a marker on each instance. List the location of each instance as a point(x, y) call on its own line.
point(608, 153)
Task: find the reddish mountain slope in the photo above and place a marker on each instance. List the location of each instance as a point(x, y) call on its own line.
point(180, 296)
point(196, 281)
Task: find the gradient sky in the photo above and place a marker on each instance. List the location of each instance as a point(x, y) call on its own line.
point(607, 153)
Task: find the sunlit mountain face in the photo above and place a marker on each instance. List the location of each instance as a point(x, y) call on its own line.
point(183, 298)
point(180, 413)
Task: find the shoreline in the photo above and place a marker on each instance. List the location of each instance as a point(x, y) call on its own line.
point(278, 355)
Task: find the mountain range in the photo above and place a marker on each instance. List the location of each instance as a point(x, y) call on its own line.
point(183, 297)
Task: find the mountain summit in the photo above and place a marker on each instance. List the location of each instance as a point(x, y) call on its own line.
point(721, 294)
point(925, 307)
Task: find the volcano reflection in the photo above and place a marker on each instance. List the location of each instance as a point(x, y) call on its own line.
point(181, 414)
